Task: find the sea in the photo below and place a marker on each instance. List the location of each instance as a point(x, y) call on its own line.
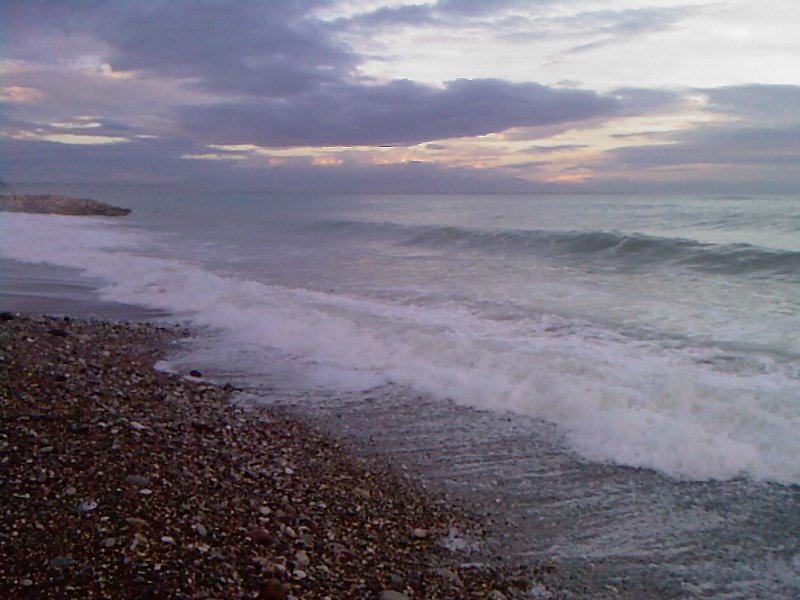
point(612, 381)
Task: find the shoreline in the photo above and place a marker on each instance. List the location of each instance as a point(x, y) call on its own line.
point(128, 482)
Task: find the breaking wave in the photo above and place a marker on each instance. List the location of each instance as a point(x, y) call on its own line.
point(610, 248)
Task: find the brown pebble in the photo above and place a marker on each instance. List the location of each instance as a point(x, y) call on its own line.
point(260, 535)
point(274, 590)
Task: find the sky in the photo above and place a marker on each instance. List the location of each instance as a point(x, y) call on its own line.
point(383, 96)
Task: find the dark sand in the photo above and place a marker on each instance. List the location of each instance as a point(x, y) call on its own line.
point(119, 481)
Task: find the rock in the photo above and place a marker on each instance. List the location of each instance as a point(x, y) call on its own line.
point(87, 505)
point(260, 536)
point(497, 595)
point(60, 205)
point(200, 529)
point(167, 539)
point(62, 562)
point(195, 373)
point(136, 522)
point(302, 558)
point(58, 332)
point(6, 316)
point(419, 533)
point(273, 590)
point(26, 582)
point(392, 595)
point(450, 575)
point(137, 480)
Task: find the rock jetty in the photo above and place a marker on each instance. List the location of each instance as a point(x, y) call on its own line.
point(60, 205)
point(120, 481)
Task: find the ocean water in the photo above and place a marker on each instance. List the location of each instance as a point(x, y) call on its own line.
point(615, 379)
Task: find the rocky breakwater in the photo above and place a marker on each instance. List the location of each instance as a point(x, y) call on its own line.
point(119, 481)
point(60, 205)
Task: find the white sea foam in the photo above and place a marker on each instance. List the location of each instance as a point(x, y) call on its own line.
point(617, 399)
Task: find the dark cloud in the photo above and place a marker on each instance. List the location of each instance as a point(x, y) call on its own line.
point(399, 112)
point(718, 145)
point(771, 103)
point(766, 133)
point(248, 46)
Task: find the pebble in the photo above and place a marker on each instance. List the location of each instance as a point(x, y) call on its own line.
point(137, 480)
point(302, 558)
point(62, 562)
point(260, 535)
point(87, 506)
point(167, 539)
point(200, 529)
point(273, 589)
point(419, 533)
point(392, 595)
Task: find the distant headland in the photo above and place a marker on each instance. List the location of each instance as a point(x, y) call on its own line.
point(60, 205)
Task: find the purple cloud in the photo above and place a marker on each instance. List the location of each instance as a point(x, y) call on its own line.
point(399, 112)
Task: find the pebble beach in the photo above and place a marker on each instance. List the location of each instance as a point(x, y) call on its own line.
point(121, 481)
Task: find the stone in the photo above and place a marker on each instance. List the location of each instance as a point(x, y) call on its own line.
point(57, 332)
point(137, 480)
point(419, 533)
point(200, 529)
point(195, 373)
point(260, 536)
point(6, 316)
point(392, 595)
point(497, 595)
point(87, 506)
point(273, 589)
point(62, 562)
point(302, 558)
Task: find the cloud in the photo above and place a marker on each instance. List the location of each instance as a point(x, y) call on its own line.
point(616, 26)
point(718, 145)
point(555, 148)
point(399, 112)
point(248, 46)
point(764, 130)
point(764, 103)
point(143, 162)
